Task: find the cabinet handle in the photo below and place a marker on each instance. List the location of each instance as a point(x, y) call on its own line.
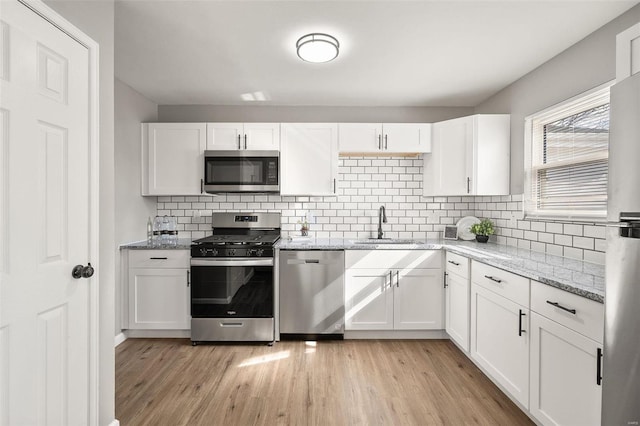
point(520, 330)
point(445, 279)
point(188, 278)
point(158, 258)
point(380, 141)
point(557, 305)
point(493, 279)
point(397, 278)
point(453, 263)
point(468, 185)
point(239, 146)
point(201, 186)
point(385, 141)
point(245, 141)
point(599, 367)
point(390, 280)
point(334, 186)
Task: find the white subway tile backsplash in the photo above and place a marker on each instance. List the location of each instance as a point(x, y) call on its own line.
point(396, 183)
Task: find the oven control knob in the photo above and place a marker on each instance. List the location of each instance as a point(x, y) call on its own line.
point(232, 252)
point(259, 252)
point(214, 252)
point(203, 251)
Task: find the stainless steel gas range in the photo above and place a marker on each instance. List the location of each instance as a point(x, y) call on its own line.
point(232, 279)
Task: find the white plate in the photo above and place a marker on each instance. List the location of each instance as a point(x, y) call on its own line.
point(464, 225)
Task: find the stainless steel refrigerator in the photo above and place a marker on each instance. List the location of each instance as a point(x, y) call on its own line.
point(621, 369)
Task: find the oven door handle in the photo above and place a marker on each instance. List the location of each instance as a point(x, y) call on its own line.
point(238, 261)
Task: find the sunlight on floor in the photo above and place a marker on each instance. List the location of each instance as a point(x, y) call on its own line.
point(264, 359)
point(310, 347)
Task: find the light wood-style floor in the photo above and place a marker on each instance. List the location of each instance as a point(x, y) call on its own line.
point(352, 382)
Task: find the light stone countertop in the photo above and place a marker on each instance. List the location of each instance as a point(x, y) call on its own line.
point(181, 244)
point(575, 276)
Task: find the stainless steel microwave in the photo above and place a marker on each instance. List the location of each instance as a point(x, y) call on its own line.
point(241, 171)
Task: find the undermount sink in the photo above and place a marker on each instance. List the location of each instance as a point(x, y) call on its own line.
point(377, 241)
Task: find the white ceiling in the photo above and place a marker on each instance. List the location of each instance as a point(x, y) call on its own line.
point(393, 53)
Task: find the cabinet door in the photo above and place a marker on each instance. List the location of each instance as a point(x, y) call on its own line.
point(448, 169)
point(173, 158)
point(360, 137)
point(309, 159)
point(225, 136)
point(159, 299)
point(564, 367)
point(457, 309)
point(265, 136)
point(418, 299)
point(496, 343)
point(406, 137)
point(368, 299)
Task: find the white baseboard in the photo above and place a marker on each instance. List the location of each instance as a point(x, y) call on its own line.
point(166, 334)
point(121, 337)
point(393, 334)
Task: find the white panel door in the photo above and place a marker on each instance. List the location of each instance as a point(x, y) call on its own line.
point(225, 136)
point(497, 344)
point(159, 299)
point(418, 299)
point(175, 158)
point(448, 169)
point(360, 137)
point(45, 168)
point(564, 370)
point(309, 159)
point(457, 309)
point(368, 299)
point(261, 136)
point(406, 137)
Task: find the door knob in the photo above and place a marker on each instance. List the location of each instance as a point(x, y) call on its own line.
point(80, 271)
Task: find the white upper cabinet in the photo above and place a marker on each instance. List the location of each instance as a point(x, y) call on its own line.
point(385, 138)
point(469, 156)
point(172, 158)
point(251, 136)
point(309, 159)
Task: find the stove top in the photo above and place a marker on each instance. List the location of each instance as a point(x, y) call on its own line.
point(254, 240)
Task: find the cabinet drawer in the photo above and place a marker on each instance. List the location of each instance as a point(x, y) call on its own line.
point(395, 259)
point(580, 314)
point(159, 258)
point(511, 286)
point(457, 264)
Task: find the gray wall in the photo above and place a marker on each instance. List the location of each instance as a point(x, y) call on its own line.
point(96, 19)
point(307, 114)
point(131, 210)
point(585, 65)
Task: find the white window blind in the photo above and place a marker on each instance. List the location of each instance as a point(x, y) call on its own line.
point(567, 162)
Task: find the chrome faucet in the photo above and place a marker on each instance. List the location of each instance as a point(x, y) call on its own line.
point(382, 217)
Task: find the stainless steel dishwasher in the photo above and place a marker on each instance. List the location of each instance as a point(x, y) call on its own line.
point(311, 294)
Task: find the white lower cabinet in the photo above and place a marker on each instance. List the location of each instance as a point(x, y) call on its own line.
point(457, 309)
point(500, 340)
point(395, 296)
point(565, 387)
point(158, 290)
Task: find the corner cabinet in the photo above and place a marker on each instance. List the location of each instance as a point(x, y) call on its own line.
point(393, 290)
point(172, 158)
point(309, 159)
point(469, 156)
point(241, 136)
point(158, 290)
point(384, 138)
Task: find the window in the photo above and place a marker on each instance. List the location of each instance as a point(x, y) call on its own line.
point(566, 159)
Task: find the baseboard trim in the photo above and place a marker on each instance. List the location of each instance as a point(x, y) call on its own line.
point(393, 334)
point(121, 337)
point(158, 334)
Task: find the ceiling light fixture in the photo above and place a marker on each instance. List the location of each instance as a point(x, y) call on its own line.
point(317, 48)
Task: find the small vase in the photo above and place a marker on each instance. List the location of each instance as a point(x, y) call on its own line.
point(482, 238)
point(304, 231)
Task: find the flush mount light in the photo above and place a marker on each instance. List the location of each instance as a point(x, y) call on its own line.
point(317, 47)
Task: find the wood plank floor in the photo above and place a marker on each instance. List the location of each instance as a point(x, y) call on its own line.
point(352, 382)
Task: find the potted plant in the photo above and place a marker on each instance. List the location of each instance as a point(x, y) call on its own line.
point(482, 230)
point(304, 227)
